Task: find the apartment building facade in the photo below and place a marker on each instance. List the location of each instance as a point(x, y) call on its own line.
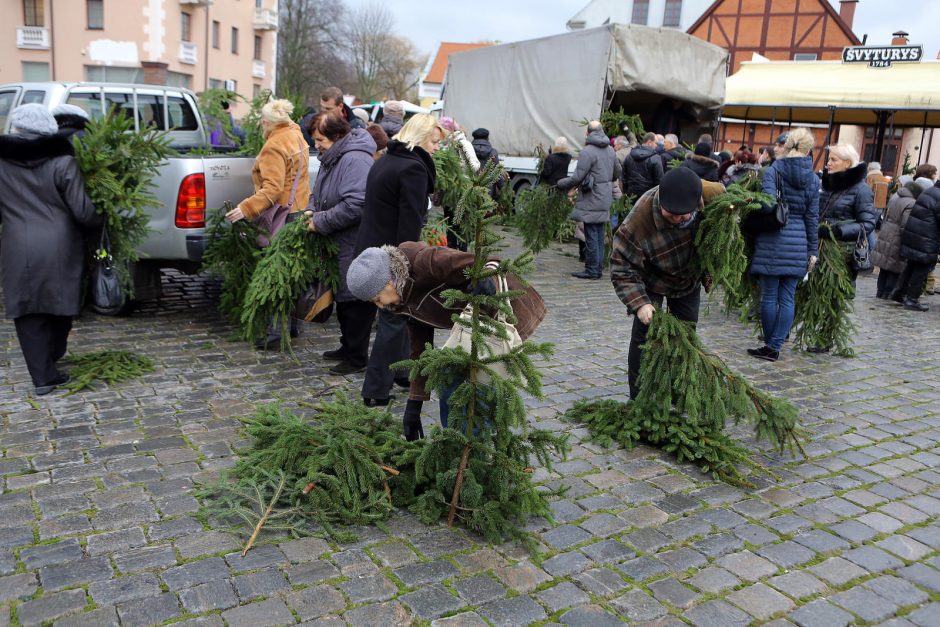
point(196, 44)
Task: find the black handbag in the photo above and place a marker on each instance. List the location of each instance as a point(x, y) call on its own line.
point(861, 256)
point(587, 185)
point(768, 221)
point(107, 296)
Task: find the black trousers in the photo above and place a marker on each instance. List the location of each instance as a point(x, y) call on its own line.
point(355, 324)
point(43, 340)
point(887, 281)
point(912, 280)
point(390, 345)
point(684, 308)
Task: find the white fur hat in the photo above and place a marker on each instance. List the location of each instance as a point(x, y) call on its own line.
point(33, 118)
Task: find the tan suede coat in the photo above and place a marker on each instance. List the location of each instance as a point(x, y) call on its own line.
point(284, 152)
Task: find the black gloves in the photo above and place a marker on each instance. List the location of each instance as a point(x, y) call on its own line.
point(486, 287)
point(825, 229)
point(412, 420)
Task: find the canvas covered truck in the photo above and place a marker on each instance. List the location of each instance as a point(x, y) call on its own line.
point(528, 93)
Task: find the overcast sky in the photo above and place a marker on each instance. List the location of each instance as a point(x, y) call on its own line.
point(428, 22)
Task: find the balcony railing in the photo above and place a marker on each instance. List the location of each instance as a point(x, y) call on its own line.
point(265, 19)
point(200, 3)
point(35, 37)
point(189, 53)
point(257, 69)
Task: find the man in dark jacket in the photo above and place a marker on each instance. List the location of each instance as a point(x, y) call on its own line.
point(919, 246)
point(671, 151)
point(485, 152)
point(44, 210)
point(652, 256)
point(330, 100)
point(643, 168)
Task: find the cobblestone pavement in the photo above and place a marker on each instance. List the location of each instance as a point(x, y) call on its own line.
point(96, 524)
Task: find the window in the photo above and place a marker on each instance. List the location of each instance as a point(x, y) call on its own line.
point(641, 12)
point(215, 34)
point(255, 91)
point(804, 56)
point(120, 103)
point(178, 79)
point(673, 13)
point(150, 111)
point(35, 72)
point(6, 103)
point(185, 20)
point(95, 12)
point(215, 83)
point(34, 96)
point(181, 115)
point(91, 103)
point(257, 47)
point(103, 74)
point(33, 13)
point(234, 40)
point(259, 4)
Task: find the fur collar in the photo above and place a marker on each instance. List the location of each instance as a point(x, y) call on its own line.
point(708, 161)
point(31, 149)
point(841, 181)
point(399, 267)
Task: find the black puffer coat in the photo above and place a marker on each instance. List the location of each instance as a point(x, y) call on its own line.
point(707, 169)
point(642, 171)
point(45, 213)
point(921, 240)
point(847, 203)
point(555, 167)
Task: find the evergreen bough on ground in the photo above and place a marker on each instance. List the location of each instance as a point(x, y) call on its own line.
point(108, 366)
point(825, 301)
point(232, 254)
point(347, 465)
point(478, 470)
point(119, 166)
point(685, 399)
point(295, 258)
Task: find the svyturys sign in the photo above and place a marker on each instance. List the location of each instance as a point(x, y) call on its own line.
point(882, 56)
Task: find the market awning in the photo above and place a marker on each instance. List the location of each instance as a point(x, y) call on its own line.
point(801, 92)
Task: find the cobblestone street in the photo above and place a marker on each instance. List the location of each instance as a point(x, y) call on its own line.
point(97, 524)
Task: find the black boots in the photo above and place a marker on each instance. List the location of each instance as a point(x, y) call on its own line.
point(912, 304)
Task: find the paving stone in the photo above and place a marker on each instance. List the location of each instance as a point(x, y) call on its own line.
point(311, 603)
point(261, 583)
point(565, 564)
point(608, 552)
point(677, 504)
point(798, 584)
point(896, 590)
point(477, 561)
point(150, 610)
point(195, 573)
point(431, 602)
point(854, 531)
point(258, 557)
point(716, 612)
point(925, 616)
point(747, 566)
point(713, 580)
point(865, 604)
point(174, 528)
point(872, 559)
point(753, 534)
point(304, 549)
point(922, 576)
point(820, 613)
point(204, 543)
point(682, 559)
point(718, 545)
point(392, 614)
point(20, 586)
point(312, 572)
point(441, 542)
point(369, 588)
point(394, 554)
point(214, 595)
point(562, 596)
point(429, 572)
point(638, 606)
point(787, 554)
point(259, 614)
point(103, 617)
point(837, 571)
point(46, 554)
point(111, 542)
point(646, 540)
point(479, 589)
point(523, 577)
point(904, 547)
point(144, 558)
point(672, 592)
point(643, 568)
point(565, 536)
point(355, 563)
point(520, 610)
point(7, 562)
point(50, 607)
point(760, 601)
point(124, 589)
point(57, 576)
point(589, 616)
point(602, 582)
point(644, 516)
point(820, 541)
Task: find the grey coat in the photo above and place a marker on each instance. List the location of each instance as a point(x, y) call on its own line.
point(45, 213)
point(598, 160)
point(338, 195)
point(887, 253)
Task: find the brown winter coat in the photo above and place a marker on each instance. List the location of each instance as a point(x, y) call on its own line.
point(284, 152)
point(887, 253)
point(878, 183)
point(432, 270)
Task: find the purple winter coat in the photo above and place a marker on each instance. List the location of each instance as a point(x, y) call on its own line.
point(338, 195)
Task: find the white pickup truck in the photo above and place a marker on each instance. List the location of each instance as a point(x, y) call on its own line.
point(186, 185)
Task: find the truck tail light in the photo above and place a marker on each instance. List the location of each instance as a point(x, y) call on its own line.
point(191, 202)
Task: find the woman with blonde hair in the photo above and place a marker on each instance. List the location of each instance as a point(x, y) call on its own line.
point(282, 184)
point(782, 256)
point(395, 209)
point(556, 164)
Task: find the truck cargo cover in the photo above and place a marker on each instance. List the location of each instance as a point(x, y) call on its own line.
point(542, 88)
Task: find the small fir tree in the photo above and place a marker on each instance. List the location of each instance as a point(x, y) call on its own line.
point(211, 104)
point(542, 213)
point(119, 167)
point(825, 301)
point(478, 469)
point(232, 254)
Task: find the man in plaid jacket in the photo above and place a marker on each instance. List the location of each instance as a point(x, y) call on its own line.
point(652, 254)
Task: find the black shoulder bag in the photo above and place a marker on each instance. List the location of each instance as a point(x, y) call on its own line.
point(773, 220)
